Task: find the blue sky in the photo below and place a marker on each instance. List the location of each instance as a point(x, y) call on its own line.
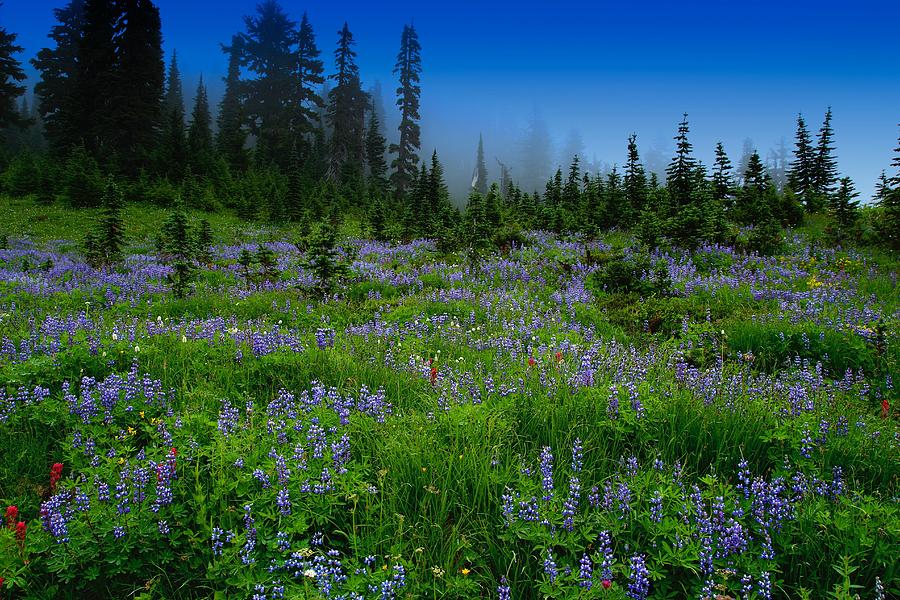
point(741, 70)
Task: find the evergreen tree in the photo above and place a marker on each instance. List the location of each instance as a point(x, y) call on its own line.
point(177, 246)
point(269, 50)
point(231, 137)
point(82, 181)
point(204, 242)
point(571, 193)
point(752, 199)
point(11, 75)
point(96, 77)
point(323, 259)
point(310, 75)
point(199, 139)
point(408, 68)
point(824, 173)
point(480, 177)
point(845, 211)
point(801, 171)
point(112, 227)
point(614, 200)
point(378, 218)
point(635, 183)
point(535, 163)
point(438, 197)
point(889, 207)
point(59, 68)
point(375, 149)
point(173, 146)
point(347, 104)
point(137, 84)
point(882, 188)
point(476, 229)
point(680, 172)
point(722, 180)
point(294, 199)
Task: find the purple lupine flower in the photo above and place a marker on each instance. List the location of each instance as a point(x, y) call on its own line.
point(577, 456)
point(604, 546)
point(262, 477)
point(283, 501)
point(216, 540)
point(250, 540)
point(656, 510)
point(585, 572)
point(764, 586)
point(228, 419)
point(613, 407)
point(283, 541)
point(547, 472)
point(806, 443)
point(503, 591)
point(638, 578)
point(550, 566)
point(570, 506)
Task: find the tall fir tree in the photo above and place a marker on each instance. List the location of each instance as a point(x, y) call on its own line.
point(96, 77)
point(310, 77)
point(231, 136)
point(571, 194)
point(888, 222)
point(613, 200)
point(294, 208)
point(408, 69)
point(112, 225)
point(680, 172)
point(752, 199)
point(438, 198)
point(722, 178)
point(688, 222)
point(173, 153)
point(138, 84)
point(824, 173)
point(844, 209)
point(11, 77)
point(480, 176)
point(801, 171)
point(199, 139)
point(635, 183)
point(59, 68)
point(375, 150)
point(347, 104)
point(269, 51)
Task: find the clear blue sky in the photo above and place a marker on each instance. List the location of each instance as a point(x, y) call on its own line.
point(741, 70)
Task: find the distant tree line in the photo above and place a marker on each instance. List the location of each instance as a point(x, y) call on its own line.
point(296, 142)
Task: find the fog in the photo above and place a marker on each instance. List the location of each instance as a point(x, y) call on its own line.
point(543, 83)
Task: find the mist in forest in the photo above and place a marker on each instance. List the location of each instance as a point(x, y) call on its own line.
point(541, 84)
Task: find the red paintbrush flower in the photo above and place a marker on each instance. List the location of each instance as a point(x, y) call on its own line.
point(20, 534)
point(885, 408)
point(12, 513)
point(433, 375)
point(559, 357)
point(55, 474)
point(531, 361)
point(606, 583)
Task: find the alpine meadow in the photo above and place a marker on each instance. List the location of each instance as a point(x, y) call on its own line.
point(449, 301)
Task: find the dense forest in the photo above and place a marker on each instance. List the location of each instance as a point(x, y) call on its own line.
point(295, 140)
